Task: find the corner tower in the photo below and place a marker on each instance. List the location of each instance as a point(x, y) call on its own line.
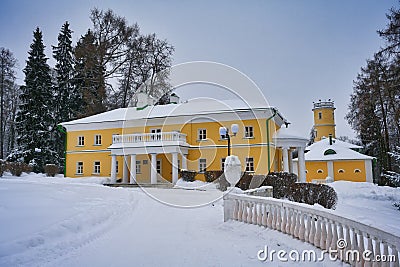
point(324, 119)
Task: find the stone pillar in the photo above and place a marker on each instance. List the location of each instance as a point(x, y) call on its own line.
point(125, 174)
point(133, 169)
point(153, 169)
point(174, 167)
point(302, 165)
point(113, 169)
point(285, 159)
point(184, 161)
point(290, 161)
point(330, 170)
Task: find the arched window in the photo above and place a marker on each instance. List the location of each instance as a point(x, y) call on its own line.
point(357, 171)
point(329, 152)
point(341, 171)
point(320, 171)
point(306, 171)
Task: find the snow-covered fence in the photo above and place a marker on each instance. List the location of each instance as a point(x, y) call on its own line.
point(149, 137)
point(320, 228)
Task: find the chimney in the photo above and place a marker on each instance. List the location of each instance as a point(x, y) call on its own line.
point(330, 139)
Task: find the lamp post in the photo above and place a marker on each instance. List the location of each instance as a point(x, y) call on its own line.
point(224, 133)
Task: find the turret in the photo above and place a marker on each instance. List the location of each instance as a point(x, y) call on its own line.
point(324, 119)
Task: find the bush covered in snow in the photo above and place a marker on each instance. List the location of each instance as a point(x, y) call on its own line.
point(17, 168)
point(311, 194)
point(187, 175)
point(51, 170)
point(211, 176)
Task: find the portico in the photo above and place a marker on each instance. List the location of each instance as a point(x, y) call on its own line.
point(131, 145)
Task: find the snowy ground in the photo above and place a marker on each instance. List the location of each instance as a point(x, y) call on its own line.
point(75, 222)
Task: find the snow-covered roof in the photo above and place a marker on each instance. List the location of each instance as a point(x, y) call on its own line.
point(288, 137)
point(288, 132)
point(190, 107)
point(325, 141)
point(339, 150)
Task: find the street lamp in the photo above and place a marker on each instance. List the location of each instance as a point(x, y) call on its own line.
point(224, 133)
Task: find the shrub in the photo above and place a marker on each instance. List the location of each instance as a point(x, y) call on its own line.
point(187, 175)
point(51, 169)
point(211, 176)
point(280, 182)
point(223, 184)
point(17, 168)
point(313, 194)
point(2, 167)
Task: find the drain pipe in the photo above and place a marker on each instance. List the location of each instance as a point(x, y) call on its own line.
point(268, 141)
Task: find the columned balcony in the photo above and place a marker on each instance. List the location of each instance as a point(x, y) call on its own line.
point(149, 140)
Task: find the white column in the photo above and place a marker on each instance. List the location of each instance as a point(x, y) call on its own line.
point(133, 169)
point(113, 169)
point(125, 174)
point(153, 169)
point(174, 167)
point(330, 170)
point(290, 161)
point(302, 165)
point(184, 161)
point(285, 159)
point(368, 171)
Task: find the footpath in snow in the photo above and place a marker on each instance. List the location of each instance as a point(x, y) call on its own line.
point(79, 222)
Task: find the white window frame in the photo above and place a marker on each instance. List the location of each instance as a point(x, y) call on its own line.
point(95, 167)
point(138, 167)
point(79, 167)
point(81, 140)
point(357, 171)
point(223, 163)
point(159, 166)
point(250, 164)
point(97, 138)
point(247, 132)
point(201, 134)
point(202, 165)
point(320, 171)
point(341, 171)
point(156, 131)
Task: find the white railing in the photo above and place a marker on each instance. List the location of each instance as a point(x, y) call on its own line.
point(320, 228)
point(149, 137)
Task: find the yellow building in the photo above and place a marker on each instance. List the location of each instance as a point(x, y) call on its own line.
point(329, 159)
point(148, 144)
point(324, 120)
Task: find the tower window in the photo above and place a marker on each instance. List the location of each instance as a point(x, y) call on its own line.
point(319, 115)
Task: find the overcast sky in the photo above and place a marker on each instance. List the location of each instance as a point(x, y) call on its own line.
point(297, 52)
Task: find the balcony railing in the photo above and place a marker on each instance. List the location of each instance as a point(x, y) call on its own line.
point(149, 137)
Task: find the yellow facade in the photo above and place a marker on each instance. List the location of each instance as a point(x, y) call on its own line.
point(343, 170)
point(324, 120)
point(316, 170)
point(213, 149)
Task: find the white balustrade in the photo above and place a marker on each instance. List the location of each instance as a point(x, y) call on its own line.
point(149, 137)
point(321, 228)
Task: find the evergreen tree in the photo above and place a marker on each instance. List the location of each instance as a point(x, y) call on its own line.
point(34, 120)
point(67, 98)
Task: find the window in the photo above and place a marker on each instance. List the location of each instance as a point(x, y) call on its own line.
point(159, 166)
point(202, 134)
point(357, 171)
point(97, 139)
point(249, 165)
point(223, 163)
point(248, 132)
point(306, 171)
point(116, 166)
point(329, 152)
point(202, 165)
point(79, 167)
point(319, 115)
point(156, 134)
point(320, 171)
point(341, 171)
point(96, 169)
point(138, 167)
point(81, 140)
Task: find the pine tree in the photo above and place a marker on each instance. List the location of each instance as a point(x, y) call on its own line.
point(35, 121)
point(67, 98)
